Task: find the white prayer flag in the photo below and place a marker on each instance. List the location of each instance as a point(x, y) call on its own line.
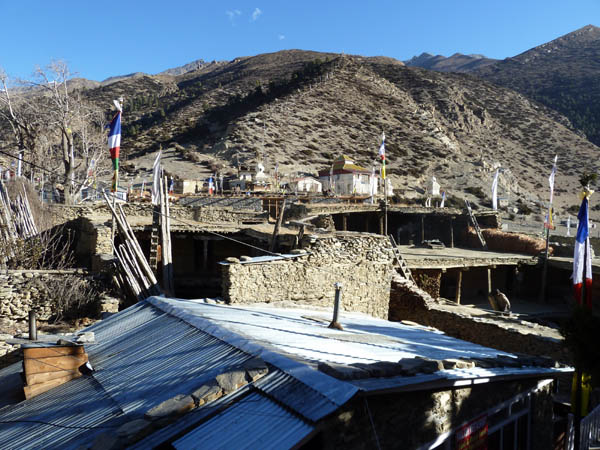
point(551, 179)
point(156, 179)
point(495, 190)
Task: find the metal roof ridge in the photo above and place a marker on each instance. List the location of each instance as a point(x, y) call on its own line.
point(337, 391)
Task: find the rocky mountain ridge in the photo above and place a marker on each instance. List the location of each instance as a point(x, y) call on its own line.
point(299, 110)
point(562, 74)
point(455, 63)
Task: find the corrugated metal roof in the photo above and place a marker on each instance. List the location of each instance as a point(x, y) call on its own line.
point(300, 334)
point(255, 422)
point(53, 418)
point(296, 395)
point(143, 357)
point(163, 347)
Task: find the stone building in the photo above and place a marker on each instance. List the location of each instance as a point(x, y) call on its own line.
point(306, 184)
point(347, 178)
point(171, 372)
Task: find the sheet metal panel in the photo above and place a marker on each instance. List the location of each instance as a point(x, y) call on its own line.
point(253, 422)
point(303, 399)
point(143, 357)
point(158, 359)
point(79, 408)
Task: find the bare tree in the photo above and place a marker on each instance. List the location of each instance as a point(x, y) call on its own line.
point(57, 127)
point(20, 112)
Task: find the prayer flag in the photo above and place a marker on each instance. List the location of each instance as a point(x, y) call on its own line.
point(582, 257)
point(156, 179)
point(495, 190)
point(382, 155)
point(114, 144)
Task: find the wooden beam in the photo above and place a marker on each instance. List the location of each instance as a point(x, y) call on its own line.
point(36, 378)
point(46, 352)
point(54, 364)
point(489, 277)
point(277, 226)
point(37, 389)
point(458, 286)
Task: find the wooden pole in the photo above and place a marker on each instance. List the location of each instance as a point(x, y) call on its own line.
point(385, 208)
point(422, 227)
point(277, 225)
point(451, 232)
point(458, 286)
point(125, 229)
point(545, 269)
point(489, 278)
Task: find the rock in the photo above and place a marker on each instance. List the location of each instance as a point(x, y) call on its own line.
point(232, 260)
point(176, 406)
point(86, 337)
point(343, 372)
point(106, 441)
point(457, 364)
point(134, 431)
point(28, 275)
point(207, 393)
point(231, 380)
point(255, 368)
point(412, 366)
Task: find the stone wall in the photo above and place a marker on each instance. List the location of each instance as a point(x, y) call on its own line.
point(412, 419)
point(501, 332)
point(22, 290)
point(362, 263)
point(206, 213)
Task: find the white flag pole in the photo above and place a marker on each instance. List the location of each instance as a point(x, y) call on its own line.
point(495, 190)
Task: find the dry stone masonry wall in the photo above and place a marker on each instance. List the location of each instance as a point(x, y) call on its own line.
point(22, 290)
point(203, 213)
point(362, 263)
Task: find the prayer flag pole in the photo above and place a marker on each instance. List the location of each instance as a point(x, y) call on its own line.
point(548, 224)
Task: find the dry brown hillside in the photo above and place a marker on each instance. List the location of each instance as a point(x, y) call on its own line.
point(301, 109)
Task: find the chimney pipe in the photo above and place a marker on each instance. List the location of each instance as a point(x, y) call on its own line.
point(336, 307)
point(32, 326)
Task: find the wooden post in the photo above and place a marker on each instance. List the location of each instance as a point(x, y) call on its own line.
point(489, 277)
point(458, 286)
point(451, 232)
point(276, 229)
point(381, 225)
point(545, 269)
point(345, 222)
point(422, 227)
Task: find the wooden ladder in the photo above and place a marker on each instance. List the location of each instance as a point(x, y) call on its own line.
point(400, 262)
point(475, 225)
point(154, 239)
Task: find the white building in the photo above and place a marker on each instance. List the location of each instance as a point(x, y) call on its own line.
point(344, 177)
point(306, 184)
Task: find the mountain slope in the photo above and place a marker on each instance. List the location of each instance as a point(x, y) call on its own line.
point(563, 74)
point(455, 63)
point(302, 109)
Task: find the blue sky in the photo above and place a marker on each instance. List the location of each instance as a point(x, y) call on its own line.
point(102, 39)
